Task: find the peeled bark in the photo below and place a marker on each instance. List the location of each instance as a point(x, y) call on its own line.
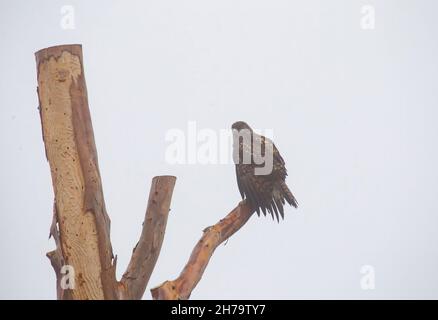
point(70, 149)
point(81, 226)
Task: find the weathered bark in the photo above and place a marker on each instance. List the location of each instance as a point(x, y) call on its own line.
point(182, 287)
point(145, 253)
point(81, 226)
point(70, 149)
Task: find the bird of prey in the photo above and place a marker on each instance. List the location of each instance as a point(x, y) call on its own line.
point(265, 190)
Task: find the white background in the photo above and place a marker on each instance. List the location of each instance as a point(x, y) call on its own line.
point(354, 114)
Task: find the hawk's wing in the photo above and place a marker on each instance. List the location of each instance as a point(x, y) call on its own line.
point(278, 165)
point(250, 186)
point(265, 192)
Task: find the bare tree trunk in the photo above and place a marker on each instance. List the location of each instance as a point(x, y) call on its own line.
point(81, 226)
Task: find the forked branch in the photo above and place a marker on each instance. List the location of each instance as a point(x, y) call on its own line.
point(81, 225)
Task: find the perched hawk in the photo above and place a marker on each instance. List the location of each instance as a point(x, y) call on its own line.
point(266, 189)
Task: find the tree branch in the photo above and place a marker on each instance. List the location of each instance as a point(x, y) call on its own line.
point(56, 258)
point(147, 250)
point(213, 236)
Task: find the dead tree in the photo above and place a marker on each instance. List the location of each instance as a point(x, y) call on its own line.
point(81, 225)
point(181, 288)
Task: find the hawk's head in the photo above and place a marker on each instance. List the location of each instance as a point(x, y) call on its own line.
point(240, 125)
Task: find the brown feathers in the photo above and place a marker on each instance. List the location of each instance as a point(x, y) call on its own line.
point(260, 172)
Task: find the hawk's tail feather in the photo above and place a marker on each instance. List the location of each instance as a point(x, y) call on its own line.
point(279, 206)
point(274, 208)
point(287, 194)
point(267, 203)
